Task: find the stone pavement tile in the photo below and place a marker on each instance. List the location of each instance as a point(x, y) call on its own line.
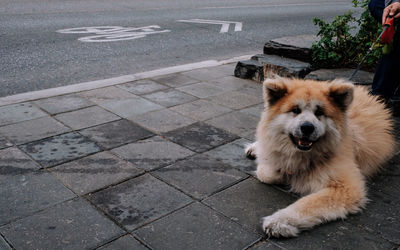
point(200, 137)
point(334, 235)
point(202, 89)
point(248, 201)
point(3, 244)
point(152, 153)
point(4, 143)
point(200, 110)
point(175, 80)
point(235, 100)
point(200, 176)
point(253, 89)
point(207, 74)
point(139, 201)
point(64, 103)
point(235, 122)
point(94, 172)
point(70, 225)
point(254, 110)
point(142, 87)
point(115, 134)
point(87, 117)
point(125, 242)
point(131, 107)
point(233, 155)
point(381, 215)
point(59, 149)
point(108, 94)
point(23, 188)
point(392, 167)
point(230, 83)
point(265, 244)
point(250, 135)
point(162, 121)
point(169, 98)
point(196, 227)
point(19, 112)
point(33, 130)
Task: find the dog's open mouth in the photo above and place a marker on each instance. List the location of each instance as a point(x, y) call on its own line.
point(303, 144)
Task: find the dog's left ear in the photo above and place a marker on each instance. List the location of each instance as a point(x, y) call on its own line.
point(341, 93)
point(274, 89)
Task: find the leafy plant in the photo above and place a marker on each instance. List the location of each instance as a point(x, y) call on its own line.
point(338, 47)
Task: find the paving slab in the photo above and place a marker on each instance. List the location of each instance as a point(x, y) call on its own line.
point(130, 107)
point(361, 78)
point(4, 143)
point(126, 242)
point(69, 225)
point(175, 80)
point(236, 123)
point(253, 89)
point(254, 110)
point(233, 155)
point(59, 149)
point(64, 103)
point(202, 89)
point(108, 94)
point(23, 188)
point(139, 201)
point(265, 244)
point(169, 98)
point(94, 172)
point(153, 153)
point(87, 117)
point(200, 137)
point(200, 176)
point(3, 244)
point(142, 87)
point(207, 74)
point(162, 121)
point(248, 201)
point(235, 100)
point(335, 235)
point(115, 134)
point(196, 227)
point(33, 130)
point(19, 112)
point(230, 83)
point(201, 110)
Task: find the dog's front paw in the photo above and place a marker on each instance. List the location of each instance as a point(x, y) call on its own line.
point(278, 225)
point(250, 151)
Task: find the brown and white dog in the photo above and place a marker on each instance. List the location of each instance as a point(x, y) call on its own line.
point(323, 138)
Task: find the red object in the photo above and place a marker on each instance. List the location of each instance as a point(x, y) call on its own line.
point(388, 33)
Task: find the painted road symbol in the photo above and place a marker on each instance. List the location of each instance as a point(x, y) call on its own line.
point(113, 33)
point(224, 27)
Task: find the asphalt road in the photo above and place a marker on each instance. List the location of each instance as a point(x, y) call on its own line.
point(34, 56)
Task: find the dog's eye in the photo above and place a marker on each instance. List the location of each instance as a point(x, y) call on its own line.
point(296, 110)
point(319, 111)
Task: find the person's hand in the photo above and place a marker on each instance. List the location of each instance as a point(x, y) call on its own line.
point(391, 10)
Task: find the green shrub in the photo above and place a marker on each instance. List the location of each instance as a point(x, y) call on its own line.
point(338, 48)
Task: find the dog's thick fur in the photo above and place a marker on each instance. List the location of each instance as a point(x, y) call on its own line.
point(323, 138)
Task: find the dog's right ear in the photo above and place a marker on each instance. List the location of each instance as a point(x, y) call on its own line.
point(274, 90)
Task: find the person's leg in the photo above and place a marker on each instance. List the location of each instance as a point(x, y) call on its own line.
point(376, 8)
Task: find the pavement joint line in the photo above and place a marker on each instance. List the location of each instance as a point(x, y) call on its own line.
point(40, 94)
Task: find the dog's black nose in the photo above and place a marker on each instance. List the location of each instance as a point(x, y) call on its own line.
point(307, 128)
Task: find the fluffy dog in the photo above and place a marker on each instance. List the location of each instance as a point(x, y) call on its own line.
point(322, 138)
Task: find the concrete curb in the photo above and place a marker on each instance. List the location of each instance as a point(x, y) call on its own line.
point(34, 95)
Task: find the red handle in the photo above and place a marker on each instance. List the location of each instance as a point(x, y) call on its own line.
point(388, 33)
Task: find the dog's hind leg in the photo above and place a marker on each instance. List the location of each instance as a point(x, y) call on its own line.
point(250, 151)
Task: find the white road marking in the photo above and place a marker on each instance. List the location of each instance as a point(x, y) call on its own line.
point(224, 27)
point(112, 33)
point(39, 94)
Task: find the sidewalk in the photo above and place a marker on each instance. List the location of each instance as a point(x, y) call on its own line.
point(158, 163)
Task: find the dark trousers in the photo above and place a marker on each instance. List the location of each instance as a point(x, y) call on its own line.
point(386, 78)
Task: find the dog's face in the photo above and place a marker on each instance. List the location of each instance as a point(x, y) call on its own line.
point(304, 113)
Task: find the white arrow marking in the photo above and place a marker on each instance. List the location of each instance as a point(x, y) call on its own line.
point(225, 24)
